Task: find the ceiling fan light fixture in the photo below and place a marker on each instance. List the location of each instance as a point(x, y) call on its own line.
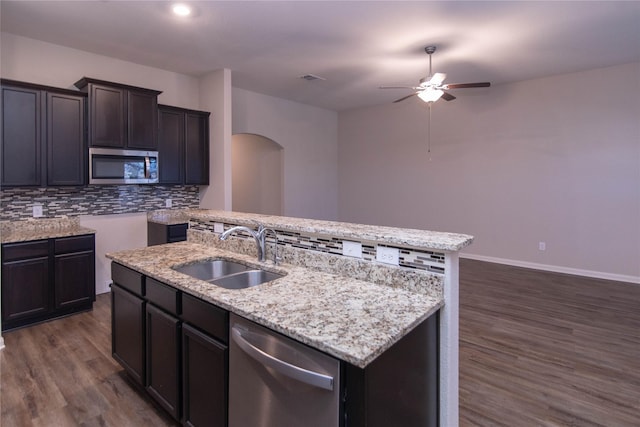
point(181, 9)
point(430, 95)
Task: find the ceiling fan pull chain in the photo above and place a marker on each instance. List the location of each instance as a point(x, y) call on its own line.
point(429, 133)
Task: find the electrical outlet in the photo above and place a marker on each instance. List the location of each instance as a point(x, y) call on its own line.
point(37, 211)
point(218, 227)
point(352, 249)
point(542, 246)
point(168, 203)
point(388, 255)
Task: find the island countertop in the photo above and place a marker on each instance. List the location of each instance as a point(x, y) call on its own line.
point(426, 239)
point(351, 319)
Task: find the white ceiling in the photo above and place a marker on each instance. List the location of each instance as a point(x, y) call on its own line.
point(356, 45)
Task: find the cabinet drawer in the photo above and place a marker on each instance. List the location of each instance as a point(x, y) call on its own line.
point(205, 316)
point(74, 244)
point(13, 251)
point(163, 296)
point(127, 278)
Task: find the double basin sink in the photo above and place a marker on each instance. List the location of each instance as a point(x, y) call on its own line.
point(228, 274)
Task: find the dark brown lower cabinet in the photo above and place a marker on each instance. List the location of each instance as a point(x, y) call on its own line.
point(128, 331)
point(72, 284)
point(25, 289)
point(204, 379)
point(45, 279)
point(173, 344)
point(400, 387)
point(159, 234)
point(163, 359)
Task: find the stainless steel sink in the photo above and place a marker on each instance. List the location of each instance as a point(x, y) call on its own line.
point(212, 269)
point(228, 274)
point(246, 279)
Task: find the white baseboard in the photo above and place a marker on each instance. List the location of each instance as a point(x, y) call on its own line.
point(555, 268)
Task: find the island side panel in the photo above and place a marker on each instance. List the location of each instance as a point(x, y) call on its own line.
point(449, 335)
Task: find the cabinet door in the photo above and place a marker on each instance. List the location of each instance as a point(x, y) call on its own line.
point(25, 289)
point(21, 136)
point(163, 372)
point(171, 146)
point(197, 149)
point(204, 362)
point(142, 112)
point(127, 332)
point(107, 124)
point(74, 282)
point(177, 232)
point(65, 139)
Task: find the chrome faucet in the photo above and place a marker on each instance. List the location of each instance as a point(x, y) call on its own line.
point(260, 238)
point(262, 232)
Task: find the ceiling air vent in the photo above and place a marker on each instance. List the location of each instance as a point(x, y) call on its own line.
point(312, 77)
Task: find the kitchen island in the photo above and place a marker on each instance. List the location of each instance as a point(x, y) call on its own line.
point(351, 307)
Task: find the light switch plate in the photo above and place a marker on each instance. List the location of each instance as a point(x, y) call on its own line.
point(352, 249)
point(168, 203)
point(218, 227)
point(388, 255)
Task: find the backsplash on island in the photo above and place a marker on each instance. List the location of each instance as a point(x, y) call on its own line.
point(418, 270)
point(17, 203)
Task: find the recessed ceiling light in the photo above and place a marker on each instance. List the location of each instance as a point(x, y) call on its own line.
point(181, 9)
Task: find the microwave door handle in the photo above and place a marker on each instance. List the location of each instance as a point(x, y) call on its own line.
point(147, 167)
point(312, 378)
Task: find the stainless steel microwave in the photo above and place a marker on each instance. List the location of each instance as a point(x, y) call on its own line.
point(115, 166)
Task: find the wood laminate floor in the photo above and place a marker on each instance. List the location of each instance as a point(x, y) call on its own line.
point(547, 349)
point(536, 349)
point(61, 374)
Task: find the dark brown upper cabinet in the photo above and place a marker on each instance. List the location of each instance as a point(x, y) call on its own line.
point(121, 116)
point(43, 135)
point(66, 153)
point(183, 146)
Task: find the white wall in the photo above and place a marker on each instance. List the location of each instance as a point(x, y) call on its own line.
point(114, 233)
point(44, 63)
point(554, 160)
point(215, 97)
point(309, 138)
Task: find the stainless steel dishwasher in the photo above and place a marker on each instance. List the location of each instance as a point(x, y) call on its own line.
point(275, 381)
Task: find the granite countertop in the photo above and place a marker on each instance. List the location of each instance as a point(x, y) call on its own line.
point(41, 228)
point(391, 235)
point(353, 320)
point(169, 216)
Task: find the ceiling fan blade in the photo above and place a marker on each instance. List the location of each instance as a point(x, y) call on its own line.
point(466, 85)
point(447, 96)
point(405, 97)
point(397, 87)
point(437, 79)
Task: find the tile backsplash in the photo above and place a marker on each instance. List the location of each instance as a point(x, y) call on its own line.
point(412, 258)
point(17, 203)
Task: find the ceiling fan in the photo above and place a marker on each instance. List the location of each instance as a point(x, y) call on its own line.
point(431, 88)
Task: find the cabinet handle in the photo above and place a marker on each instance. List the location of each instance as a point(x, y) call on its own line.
point(312, 378)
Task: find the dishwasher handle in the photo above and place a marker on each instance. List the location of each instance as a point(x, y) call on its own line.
point(312, 378)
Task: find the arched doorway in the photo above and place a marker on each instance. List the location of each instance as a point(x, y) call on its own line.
point(256, 178)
